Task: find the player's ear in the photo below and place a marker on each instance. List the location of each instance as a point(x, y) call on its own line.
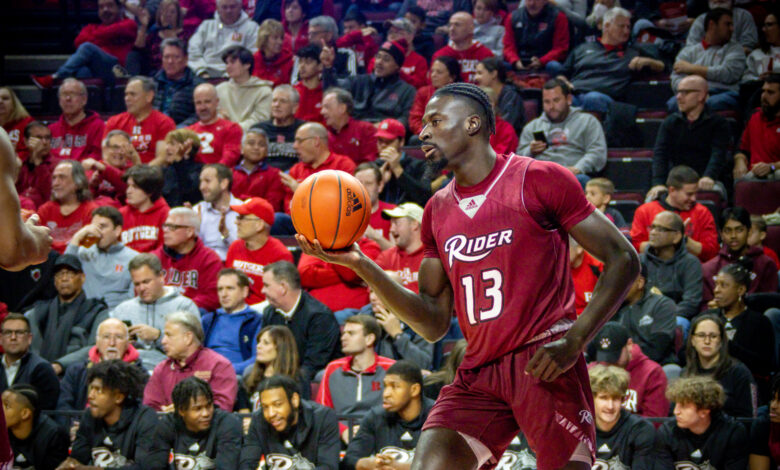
point(473, 125)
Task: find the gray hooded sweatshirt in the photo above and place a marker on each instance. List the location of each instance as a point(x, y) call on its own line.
point(106, 272)
point(679, 278)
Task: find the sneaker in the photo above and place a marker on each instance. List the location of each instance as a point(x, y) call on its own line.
point(120, 72)
point(43, 81)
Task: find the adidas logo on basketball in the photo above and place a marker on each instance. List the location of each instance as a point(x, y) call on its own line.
point(353, 202)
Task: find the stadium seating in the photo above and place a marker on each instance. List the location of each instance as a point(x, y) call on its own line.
point(758, 197)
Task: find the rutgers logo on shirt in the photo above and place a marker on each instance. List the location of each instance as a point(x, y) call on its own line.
point(206, 138)
point(140, 141)
point(249, 268)
point(183, 279)
point(141, 232)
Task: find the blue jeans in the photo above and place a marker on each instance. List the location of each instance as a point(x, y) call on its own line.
point(719, 100)
point(89, 61)
point(282, 225)
point(685, 325)
point(593, 101)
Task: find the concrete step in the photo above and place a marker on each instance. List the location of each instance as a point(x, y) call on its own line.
point(38, 64)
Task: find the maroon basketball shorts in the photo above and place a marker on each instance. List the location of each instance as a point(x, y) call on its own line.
point(494, 402)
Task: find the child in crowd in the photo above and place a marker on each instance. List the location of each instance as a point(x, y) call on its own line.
point(599, 192)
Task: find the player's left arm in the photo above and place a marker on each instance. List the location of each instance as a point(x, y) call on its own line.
point(601, 239)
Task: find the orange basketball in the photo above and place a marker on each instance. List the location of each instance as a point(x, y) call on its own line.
point(331, 206)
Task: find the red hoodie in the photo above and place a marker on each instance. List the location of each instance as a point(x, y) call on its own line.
point(356, 140)
point(15, 132)
point(277, 70)
point(193, 274)
point(115, 39)
point(144, 135)
point(421, 99)
point(310, 103)
point(80, 141)
point(646, 388)
point(142, 231)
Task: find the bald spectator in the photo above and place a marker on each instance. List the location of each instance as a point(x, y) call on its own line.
point(71, 203)
point(77, 133)
point(717, 58)
point(147, 126)
point(346, 135)
point(244, 99)
point(463, 47)
point(34, 178)
point(175, 83)
point(220, 139)
point(536, 35)
point(229, 27)
point(282, 126)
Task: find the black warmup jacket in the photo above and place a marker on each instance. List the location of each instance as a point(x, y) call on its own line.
point(44, 449)
point(629, 443)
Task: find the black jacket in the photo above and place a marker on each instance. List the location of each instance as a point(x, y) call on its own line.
point(315, 330)
point(382, 432)
point(126, 445)
point(629, 443)
point(182, 180)
point(412, 186)
point(73, 387)
point(36, 371)
point(375, 98)
point(678, 278)
point(740, 387)
point(315, 438)
point(511, 107)
point(281, 153)
point(21, 289)
point(534, 35)
point(44, 449)
point(652, 323)
point(724, 445)
point(219, 447)
point(181, 107)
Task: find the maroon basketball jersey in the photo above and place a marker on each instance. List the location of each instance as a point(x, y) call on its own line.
point(504, 246)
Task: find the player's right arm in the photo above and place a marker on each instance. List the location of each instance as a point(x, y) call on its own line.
point(22, 244)
point(427, 313)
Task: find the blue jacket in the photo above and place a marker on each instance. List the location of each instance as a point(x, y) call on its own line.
point(247, 340)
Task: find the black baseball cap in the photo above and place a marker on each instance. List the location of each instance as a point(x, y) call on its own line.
point(610, 341)
point(69, 261)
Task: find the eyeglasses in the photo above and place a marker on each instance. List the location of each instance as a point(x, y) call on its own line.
point(114, 337)
point(707, 336)
point(173, 227)
point(11, 333)
point(299, 140)
point(661, 228)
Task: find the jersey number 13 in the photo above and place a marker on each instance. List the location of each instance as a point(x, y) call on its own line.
point(492, 281)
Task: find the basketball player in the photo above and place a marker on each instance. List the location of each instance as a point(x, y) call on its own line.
point(496, 246)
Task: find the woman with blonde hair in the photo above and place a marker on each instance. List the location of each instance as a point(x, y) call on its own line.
point(13, 117)
point(274, 57)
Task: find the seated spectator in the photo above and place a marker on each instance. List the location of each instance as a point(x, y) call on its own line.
point(406, 254)
point(253, 177)
point(463, 47)
point(622, 438)
point(358, 36)
point(282, 126)
point(100, 48)
point(670, 268)
point(229, 27)
point(255, 248)
point(564, 134)
point(745, 33)
point(352, 385)
point(717, 58)
point(585, 272)
point(315, 329)
point(536, 34)
point(244, 99)
point(63, 328)
point(504, 140)
point(764, 452)
point(13, 117)
point(757, 235)
point(601, 71)
point(77, 133)
point(189, 265)
point(379, 95)
point(758, 155)
point(112, 342)
point(378, 229)
point(599, 191)
point(309, 84)
point(35, 173)
point(404, 177)
point(217, 218)
point(145, 211)
point(114, 392)
point(491, 73)
point(414, 69)
point(649, 317)
point(707, 354)
point(488, 28)
point(180, 168)
point(701, 235)
point(273, 60)
point(751, 335)
point(220, 139)
point(36, 440)
point(196, 433)
point(645, 395)
point(692, 136)
point(145, 314)
point(105, 175)
point(734, 234)
point(389, 434)
point(295, 14)
point(103, 257)
point(276, 354)
point(433, 383)
point(699, 412)
point(20, 365)
point(759, 64)
point(290, 431)
point(346, 135)
point(187, 357)
point(170, 22)
point(175, 83)
point(148, 127)
point(70, 207)
point(423, 39)
point(444, 70)
point(232, 329)
point(342, 61)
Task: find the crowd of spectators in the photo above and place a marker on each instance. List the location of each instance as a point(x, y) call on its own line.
point(173, 284)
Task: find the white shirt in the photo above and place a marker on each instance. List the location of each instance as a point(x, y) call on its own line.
point(11, 370)
point(209, 226)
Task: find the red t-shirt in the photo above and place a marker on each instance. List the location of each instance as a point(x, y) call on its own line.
point(761, 139)
point(406, 265)
point(300, 171)
point(585, 277)
point(310, 103)
point(380, 223)
point(252, 263)
point(264, 181)
point(701, 228)
point(220, 142)
point(142, 231)
point(468, 59)
point(144, 135)
point(80, 141)
point(356, 140)
point(504, 247)
point(64, 227)
point(15, 132)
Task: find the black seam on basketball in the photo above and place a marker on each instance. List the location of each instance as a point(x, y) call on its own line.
point(362, 191)
point(311, 217)
point(338, 220)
